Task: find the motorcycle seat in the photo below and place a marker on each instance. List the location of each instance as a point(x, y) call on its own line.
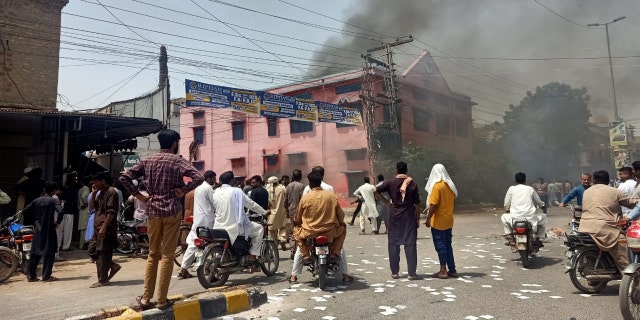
point(580, 237)
point(129, 224)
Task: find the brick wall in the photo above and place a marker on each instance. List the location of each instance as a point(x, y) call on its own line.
point(31, 36)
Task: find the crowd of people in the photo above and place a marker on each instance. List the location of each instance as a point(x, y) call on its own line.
point(156, 193)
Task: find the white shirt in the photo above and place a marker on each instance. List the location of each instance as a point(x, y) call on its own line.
point(365, 192)
point(628, 187)
point(324, 186)
point(226, 219)
point(203, 212)
point(521, 200)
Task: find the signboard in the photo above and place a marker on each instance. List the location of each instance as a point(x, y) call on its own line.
point(617, 133)
point(268, 104)
point(279, 106)
point(328, 112)
point(620, 158)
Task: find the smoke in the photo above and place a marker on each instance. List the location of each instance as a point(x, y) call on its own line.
point(506, 28)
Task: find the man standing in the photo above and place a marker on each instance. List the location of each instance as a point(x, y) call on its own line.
point(105, 234)
point(541, 188)
point(404, 220)
point(278, 217)
point(229, 203)
point(601, 211)
point(258, 193)
point(323, 185)
point(366, 193)
point(520, 202)
point(285, 180)
point(383, 209)
point(83, 210)
point(163, 175)
point(45, 241)
point(203, 216)
point(578, 191)
point(292, 199)
point(442, 194)
point(70, 211)
point(627, 184)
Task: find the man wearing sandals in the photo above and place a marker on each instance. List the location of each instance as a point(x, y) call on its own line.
point(105, 236)
point(163, 175)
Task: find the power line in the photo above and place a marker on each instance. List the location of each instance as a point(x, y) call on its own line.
point(124, 84)
point(562, 17)
point(124, 24)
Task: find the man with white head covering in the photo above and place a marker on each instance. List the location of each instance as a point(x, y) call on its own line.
point(369, 210)
point(441, 198)
point(278, 217)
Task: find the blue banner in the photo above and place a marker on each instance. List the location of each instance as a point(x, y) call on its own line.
point(328, 112)
point(268, 104)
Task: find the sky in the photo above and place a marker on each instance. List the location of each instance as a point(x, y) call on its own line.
point(491, 50)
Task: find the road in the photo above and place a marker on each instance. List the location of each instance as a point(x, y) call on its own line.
point(493, 284)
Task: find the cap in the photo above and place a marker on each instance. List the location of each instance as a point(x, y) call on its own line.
point(272, 179)
point(27, 170)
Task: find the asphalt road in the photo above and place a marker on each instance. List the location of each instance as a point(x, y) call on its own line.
point(493, 284)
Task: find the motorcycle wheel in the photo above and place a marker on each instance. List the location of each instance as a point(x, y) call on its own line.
point(125, 243)
point(8, 263)
point(629, 296)
point(322, 276)
point(269, 258)
point(584, 264)
point(208, 275)
point(524, 257)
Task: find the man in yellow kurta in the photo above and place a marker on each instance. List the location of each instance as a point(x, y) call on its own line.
point(319, 214)
point(601, 212)
point(278, 217)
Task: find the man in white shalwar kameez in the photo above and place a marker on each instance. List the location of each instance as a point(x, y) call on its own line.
point(369, 209)
point(202, 217)
point(229, 203)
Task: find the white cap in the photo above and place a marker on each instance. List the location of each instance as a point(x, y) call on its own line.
point(135, 182)
point(27, 170)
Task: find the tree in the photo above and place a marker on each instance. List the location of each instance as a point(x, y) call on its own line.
point(544, 133)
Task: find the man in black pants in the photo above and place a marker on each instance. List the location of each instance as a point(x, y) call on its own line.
point(45, 240)
point(355, 213)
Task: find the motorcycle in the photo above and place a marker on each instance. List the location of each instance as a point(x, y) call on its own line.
point(132, 236)
point(629, 293)
point(576, 215)
point(320, 262)
point(526, 242)
point(18, 238)
point(217, 258)
point(589, 268)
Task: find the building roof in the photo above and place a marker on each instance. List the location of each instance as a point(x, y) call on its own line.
point(88, 129)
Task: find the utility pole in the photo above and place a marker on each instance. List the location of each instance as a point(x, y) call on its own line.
point(391, 92)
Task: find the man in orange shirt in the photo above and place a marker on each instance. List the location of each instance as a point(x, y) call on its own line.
point(442, 194)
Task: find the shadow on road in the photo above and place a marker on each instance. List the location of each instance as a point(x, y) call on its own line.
point(541, 262)
point(136, 282)
point(74, 278)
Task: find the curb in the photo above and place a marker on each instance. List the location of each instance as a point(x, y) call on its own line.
point(211, 307)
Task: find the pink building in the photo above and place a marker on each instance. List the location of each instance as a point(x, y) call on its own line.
point(430, 114)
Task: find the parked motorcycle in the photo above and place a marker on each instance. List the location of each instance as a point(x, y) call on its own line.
point(589, 268)
point(526, 242)
point(17, 237)
point(629, 293)
point(132, 236)
point(217, 258)
point(320, 263)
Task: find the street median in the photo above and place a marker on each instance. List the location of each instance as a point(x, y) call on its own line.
point(210, 304)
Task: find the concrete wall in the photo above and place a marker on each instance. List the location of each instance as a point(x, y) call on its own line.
point(32, 29)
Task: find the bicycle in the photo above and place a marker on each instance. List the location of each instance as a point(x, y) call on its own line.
point(8, 263)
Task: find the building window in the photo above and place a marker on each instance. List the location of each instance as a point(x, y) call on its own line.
point(272, 160)
point(357, 106)
point(348, 88)
point(306, 95)
point(297, 159)
point(199, 165)
point(355, 180)
point(462, 127)
point(237, 163)
point(356, 154)
point(198, 135)
point(443, 124)
point(272, 127)
point(420, 119)
point(237, 129)
point(198, 114)
point(297, 126)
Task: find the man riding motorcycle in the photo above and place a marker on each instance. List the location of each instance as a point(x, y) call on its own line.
point(520, 202)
